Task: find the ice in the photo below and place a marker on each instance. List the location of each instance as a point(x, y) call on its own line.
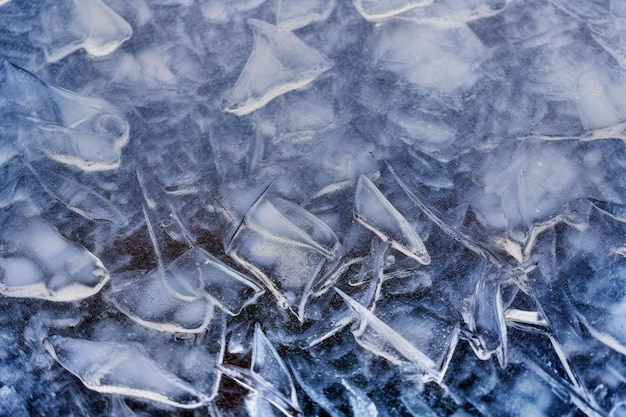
point(376, 213)
point(295, 14)
point(119, 368)
point(89, 24)
point(422, 204)
point(383, 340)
point(268, 379)
point(445, 59)
point(37, 262)
point(75, 130)
point(285, 247)
point(79, 198)
point(162, 300)
point(375, 10)
point(456, 12)
point(279, 63)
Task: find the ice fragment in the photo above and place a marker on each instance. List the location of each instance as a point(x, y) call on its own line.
point(294, 14)
point(120, 368)
point(375, 212)
point(279, 63)
point(75, 130)
point(89, 24)
point(375, 10)
point(268, 378)
point(285, 247)
point(37, 262)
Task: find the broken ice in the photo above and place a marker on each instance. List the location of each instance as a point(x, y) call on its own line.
point(313, 207)
point(279, 63)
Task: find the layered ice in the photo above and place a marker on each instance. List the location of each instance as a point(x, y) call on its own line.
point(329, 208)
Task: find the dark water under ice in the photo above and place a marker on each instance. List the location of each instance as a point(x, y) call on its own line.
point(313, 207)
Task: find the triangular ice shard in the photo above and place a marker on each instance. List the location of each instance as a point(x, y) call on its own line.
point(375, 212)
point(376, 10)
point(37, 262)
point(285, 246)
point(79, 131)
point(295, 14)
point(378, 337)
point(486, 320)
point(279, 63)
point(89, 24)
point(268, 378)
point(119, 368)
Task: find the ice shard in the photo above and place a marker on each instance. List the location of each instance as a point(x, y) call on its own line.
point(75, 130)
point(119, 368)
point(162, 300)
point(391, 344)
point(294, 14)
point(37, 262)
point(268, 378)
point(444, 59)
point(285, 247)
point(378, 10)
point(78, 197)
point(375, 212)
point(89, 24)
point(279, 63)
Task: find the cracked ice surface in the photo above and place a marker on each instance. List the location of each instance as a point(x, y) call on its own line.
point(318, 208)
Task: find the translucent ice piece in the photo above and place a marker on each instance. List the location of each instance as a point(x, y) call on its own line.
point(119, 368)
point(378, 337)
point(279, 63)
point(37, 262)
point(455, 12)
point(268, 376)
point(375, 212)
point(444, 59)
point(75, 130)
point(285, 246)
point(294, 14)
point(162, 300)
point(486, 320)
point(79, 198)
point(375, 10)
point(229, 289)
point(87, 24)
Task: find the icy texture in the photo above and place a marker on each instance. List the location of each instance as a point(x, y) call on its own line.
point(313, 208)
point(279, 63)
point(268, 379)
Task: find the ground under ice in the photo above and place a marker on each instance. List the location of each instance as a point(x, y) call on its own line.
point(313, 208)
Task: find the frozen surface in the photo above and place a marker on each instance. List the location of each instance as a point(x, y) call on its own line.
point(313, 208)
